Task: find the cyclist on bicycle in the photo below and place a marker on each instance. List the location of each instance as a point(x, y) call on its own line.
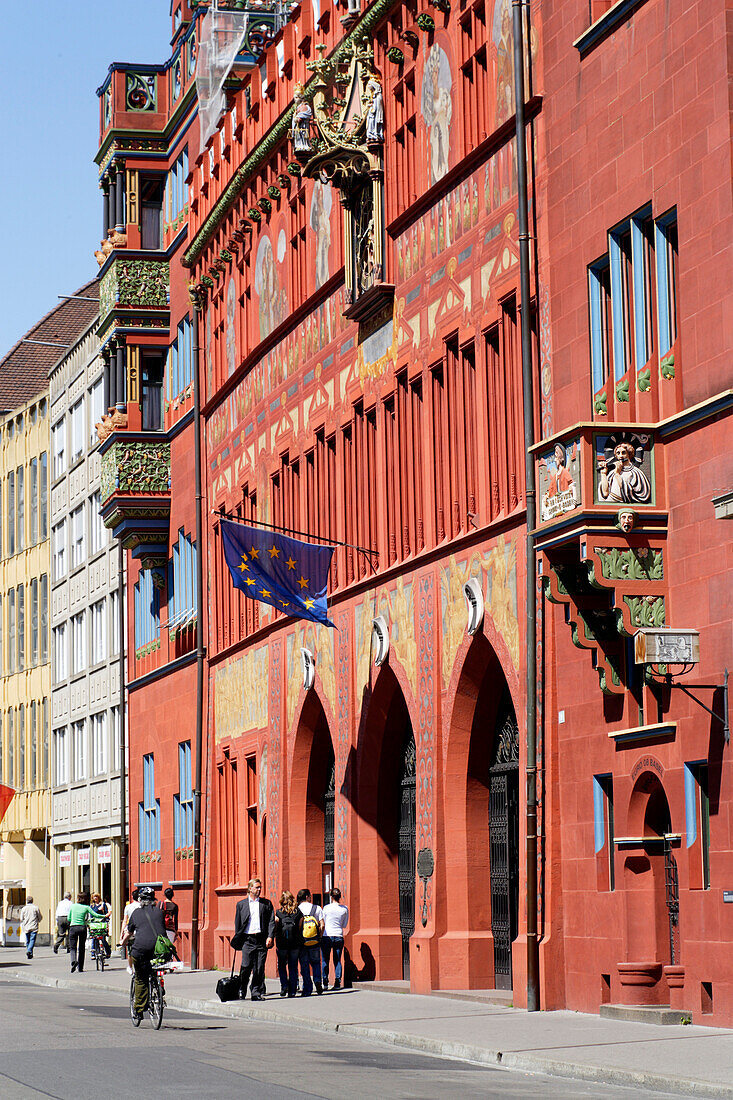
point(143, 928)
point(99, 927)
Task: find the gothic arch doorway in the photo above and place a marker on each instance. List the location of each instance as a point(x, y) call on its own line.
point(312, 799)
point(385, 805)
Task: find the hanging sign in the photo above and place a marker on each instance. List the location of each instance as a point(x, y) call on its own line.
point(64, 859)
point(104, 853)
point(82, 857)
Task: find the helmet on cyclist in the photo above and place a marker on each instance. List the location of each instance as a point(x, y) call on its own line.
point(146, 893)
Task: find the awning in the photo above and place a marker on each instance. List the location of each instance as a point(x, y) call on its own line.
point(12, 883)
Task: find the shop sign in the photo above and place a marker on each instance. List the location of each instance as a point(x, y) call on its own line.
point(104, 853)
point(64, 859)
point(82, 857)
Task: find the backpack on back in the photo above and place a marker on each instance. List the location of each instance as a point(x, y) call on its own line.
point(169, 916)
point(289, 928)
point(311, 928)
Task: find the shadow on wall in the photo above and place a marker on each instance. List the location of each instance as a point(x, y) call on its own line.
point(368, 971)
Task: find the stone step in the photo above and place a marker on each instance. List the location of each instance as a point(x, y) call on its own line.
point(647, 1014)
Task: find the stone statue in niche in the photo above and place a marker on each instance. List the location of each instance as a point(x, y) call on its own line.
point(375, 111)
point(626, 520)
point(302, 115)
point(621, 479)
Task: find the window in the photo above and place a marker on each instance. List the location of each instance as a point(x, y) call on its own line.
point(665, 246)
point(34, 502)
point(11, 747)
point(115, 723)
point(44, 496)
point(252, 792)
point(228, 820)
point(77, 430)
point(45, 760)
point(20, 602)
point(181, 582)
point(59, 653)
point(11, 630)
point(2, 751)
point(176, 190)
point(61, 757)
point(20, 737)
point(20, 513)
point(151, 209)
point(44, 618)
point(79, 749)
point(11, 512)
point(474, 69)
point(58, 538)
point(179, 374)
point(34, 622)
point(34, 777)
point(97, 530)
point(147, 610)
point(77, 536)
point(96, 409)
point(2, 545)
point(98, 724)
point(99, 635)
point(697, 815)
point(183, 801)
point(58, 446)
point(152, 391)
point(78, 643)
point(2, 633)
point(114, 615)
point(149, 810)
point(605, 843)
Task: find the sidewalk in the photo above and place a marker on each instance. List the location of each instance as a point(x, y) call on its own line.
point(687, 1061)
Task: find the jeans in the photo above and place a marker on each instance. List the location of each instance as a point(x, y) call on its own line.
point(287, 969)
point(332, 945)
point(30, 942)
point(142, 982)
point(310, 960)
point(78, 941)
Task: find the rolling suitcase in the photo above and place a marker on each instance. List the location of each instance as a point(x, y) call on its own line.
point(227, 989)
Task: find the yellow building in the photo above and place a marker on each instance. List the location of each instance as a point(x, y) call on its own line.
point(26, 471)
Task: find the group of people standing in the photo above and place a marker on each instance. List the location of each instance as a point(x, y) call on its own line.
point(304, 935)
point(75, 919)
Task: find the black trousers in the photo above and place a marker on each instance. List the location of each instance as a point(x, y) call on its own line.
point(254, 954)
point(62, 932)
point(78, 942)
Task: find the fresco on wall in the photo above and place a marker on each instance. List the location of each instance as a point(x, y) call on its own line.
point(437, 110)
point(231, 331)
point(209, 364)
point(559, 480)
point(503, 35)
point(272, 301)
point(319, 640)
point(396, 604)
point(496, 571)
point(320, 221)
point(241, 694)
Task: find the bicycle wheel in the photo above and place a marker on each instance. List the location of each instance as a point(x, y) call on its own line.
point(155, 1007)
point(133, 1014)
point(101, 955)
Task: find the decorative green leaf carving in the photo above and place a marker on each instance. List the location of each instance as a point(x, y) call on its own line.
point(666, 367)
point(137, 466)
point(622, 390)
point(634, 565)
point(132, 283)
point(425, 22)
point(644, 380)
point(599, 404)
point(395, 55)
point(646, 610)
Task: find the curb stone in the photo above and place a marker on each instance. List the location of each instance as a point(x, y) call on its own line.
point(452, 1049)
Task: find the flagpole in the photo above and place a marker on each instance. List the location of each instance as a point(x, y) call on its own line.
point(293, 531)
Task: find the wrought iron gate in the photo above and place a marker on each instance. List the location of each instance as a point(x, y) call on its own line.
point(406, 850)
point(504, 843)
point(328, 817)
point(672, 892)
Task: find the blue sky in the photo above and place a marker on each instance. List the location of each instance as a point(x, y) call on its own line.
point(55, 55)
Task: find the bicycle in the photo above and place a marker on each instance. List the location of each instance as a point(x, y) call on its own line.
point(156, 996)
point(99, 943)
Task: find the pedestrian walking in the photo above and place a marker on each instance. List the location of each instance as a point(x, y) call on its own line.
point(30, 918)
point(335, 920)
point(130, 908)
point(254, 932)
point(170, 914)
point(62, 923)
point(79, 916)
point(310, 952)
point(288, 941)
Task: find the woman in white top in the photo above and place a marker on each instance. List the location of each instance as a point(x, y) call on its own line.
point(335, 917)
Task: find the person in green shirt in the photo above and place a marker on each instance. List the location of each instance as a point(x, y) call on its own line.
point(79, 916)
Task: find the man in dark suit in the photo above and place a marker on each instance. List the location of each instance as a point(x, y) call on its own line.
point(254, 924)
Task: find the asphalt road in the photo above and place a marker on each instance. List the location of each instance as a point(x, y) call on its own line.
point(72, 1044)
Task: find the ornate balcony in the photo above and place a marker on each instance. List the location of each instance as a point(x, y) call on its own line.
point(134, 293)
point(136, 496)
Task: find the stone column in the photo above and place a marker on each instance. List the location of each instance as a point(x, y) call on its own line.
point(112, 200)
point(121, 401)
point(120, 224)
point(105, 208)
point(106, 382)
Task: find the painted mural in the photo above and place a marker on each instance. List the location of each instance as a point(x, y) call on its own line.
point(320, 222)
point(272, 297)
point(396, 604)
point(436, 102)
point(320, 641)
point(231, 331)
point(241, 694)
point(496, 571)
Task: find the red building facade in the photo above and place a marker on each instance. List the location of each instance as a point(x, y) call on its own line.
point(352, 248)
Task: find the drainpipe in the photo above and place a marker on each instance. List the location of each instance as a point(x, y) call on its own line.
point(199, 649)
point(124, 883)
point(533, 991)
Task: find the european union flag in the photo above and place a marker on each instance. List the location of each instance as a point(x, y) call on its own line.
point(286, 573)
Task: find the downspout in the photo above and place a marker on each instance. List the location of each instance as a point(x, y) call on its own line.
point(124, 883)
point(195, 907)
point(533, 998)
